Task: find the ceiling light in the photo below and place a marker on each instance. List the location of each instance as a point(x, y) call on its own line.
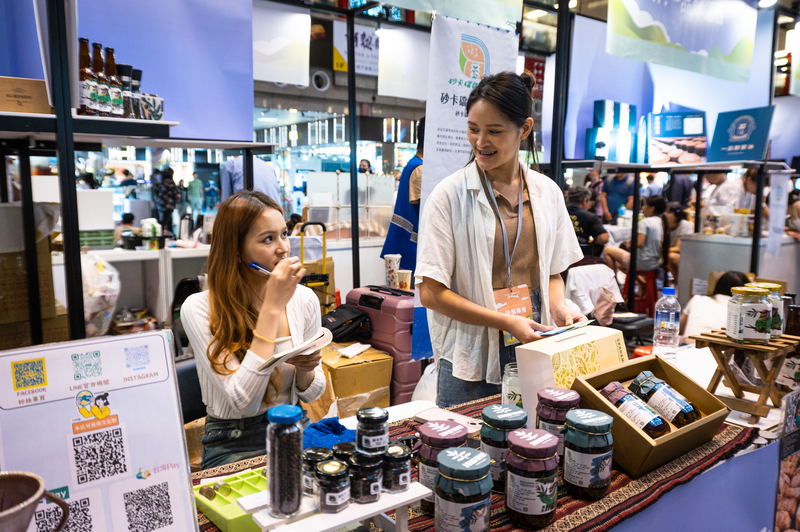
point(784, 19)
point(295, 110)
point(766, 3)
point(536, 13)
point(267, 119)
point(573, 4)
point(782, 62)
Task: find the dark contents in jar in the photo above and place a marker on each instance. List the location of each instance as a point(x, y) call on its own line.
point(372, 431)
point(366, 478)
point(285, 463)
point(311, 457)
point(637, 411)
point(396, 468)
point(332, 493)
point(664, 399)
point(588, 452)
point(592, 491)
point(343, 451)
point(532, 478)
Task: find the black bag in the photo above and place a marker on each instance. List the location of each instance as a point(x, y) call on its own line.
point(347, 323)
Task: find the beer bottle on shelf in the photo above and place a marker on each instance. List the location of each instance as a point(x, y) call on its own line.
point(124, 72)
point(88, 81)
point(114, 84)
point(103, 100)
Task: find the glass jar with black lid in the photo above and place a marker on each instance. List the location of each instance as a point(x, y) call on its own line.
point(531, 478)
point(344, 450)
point(311, 457)
point(366, 478)
point(498, 421)
point(396, 468)
point(435, 436)
point(332, 491)
point(664, 399)
point(637, 411)
point(551, 411)
point(463, 490)
point(588, 448)
point(372, 431)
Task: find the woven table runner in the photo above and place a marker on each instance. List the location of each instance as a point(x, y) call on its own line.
point(625, 498)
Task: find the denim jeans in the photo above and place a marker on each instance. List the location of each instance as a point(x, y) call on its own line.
point(231, 440)
point(451, 391)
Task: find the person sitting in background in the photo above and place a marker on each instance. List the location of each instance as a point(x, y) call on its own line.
point(617, 191)
point(595, 183)
point(295, 220)
point(126, 225)
point(649, 240)
point(652, 188)
point(588, 227)
point(707, 313)
point(677, 226)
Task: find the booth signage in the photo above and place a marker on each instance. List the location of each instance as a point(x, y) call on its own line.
point(365, 41)
point(741, 135)
point(403, 66)
point(498, 13)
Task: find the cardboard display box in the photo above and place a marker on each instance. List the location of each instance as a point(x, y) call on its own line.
point(634, 450)
point(557, 360)
point(360, 381)
point(22, 95)
point(18, 334)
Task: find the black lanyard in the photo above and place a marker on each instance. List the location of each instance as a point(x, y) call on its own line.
point(509, 258)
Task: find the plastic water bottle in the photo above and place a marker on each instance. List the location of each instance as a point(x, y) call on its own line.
point(665, 327)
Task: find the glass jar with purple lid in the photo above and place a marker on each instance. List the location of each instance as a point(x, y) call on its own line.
point(531, 478)
point(436, 436)
point(551, 411)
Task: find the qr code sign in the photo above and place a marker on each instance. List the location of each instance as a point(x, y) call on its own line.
point(137, 357)
point(80, 520)
point(86, 365)
point(99, 455)
point(29, 374)
point(148, 508)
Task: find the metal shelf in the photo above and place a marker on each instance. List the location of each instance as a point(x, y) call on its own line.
point(88, 129)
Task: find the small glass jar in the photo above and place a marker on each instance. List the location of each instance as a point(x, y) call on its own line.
point(344, 450)
point(778, 323)
point(637, 411)
point(551, 411)
point(436, 436)
point(463, 491)
point(588, 449)
point(511, 390)
point(372, 431)
point(749, 316)
point(284, 460)
point(332, 490)
point(531, 478)
point(311, 457)
point(396, 468)
point(366, 478)
point(664, 399)
point(498, 421)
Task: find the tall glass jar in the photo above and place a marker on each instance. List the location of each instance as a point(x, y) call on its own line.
point(285, 460)
point(463, 491)
point(774, 297)
point(588, 449)
point(498, 421)
point(551, 411)
point(531, 478)
point(511, 390)
point(435, 437)
point(749, 316)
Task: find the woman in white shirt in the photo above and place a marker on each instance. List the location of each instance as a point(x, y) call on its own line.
point(492, 225)
point(242, 320)
point(707, 313)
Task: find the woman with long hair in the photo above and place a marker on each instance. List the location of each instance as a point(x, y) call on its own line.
point(491, 232)
point(243, 319)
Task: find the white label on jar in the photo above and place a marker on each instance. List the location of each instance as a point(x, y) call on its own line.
point(308, 481)
point(375, 487)
point(335, 499)
point(427, 477)
point(375, 442)
point(456, 517)
point(667, 401)
point(789, 372)
point(498, 467)
point(512, 393)
point(404, 479)
point(555, 430)
point(637, 411)
point(587, 470)
point(750, 321)
point(531, 496)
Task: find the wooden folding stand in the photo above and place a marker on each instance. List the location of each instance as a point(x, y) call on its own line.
point(723, 349)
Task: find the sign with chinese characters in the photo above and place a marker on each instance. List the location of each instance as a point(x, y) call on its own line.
point(536, 67)
point(741, 135)
point(281, 43)
point(403, 67)
point(365, 41)
point(85, 416)
point(498, 13)
point(712, 37)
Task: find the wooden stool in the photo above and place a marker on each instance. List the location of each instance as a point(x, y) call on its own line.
point(646, 304)
point(723, 349)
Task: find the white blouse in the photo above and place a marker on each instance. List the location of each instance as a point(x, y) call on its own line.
point(241, 394)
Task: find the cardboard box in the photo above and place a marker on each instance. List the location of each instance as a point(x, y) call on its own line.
point(14, 284)
point(557, 360)
point(22, 95)
point(634, 450)
point(18, 334)
point(359, 381)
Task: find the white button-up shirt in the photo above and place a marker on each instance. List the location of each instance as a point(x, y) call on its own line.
point(456, 246)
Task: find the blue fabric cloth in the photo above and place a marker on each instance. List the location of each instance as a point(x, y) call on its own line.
point(264, 178)
point(402, 235)
point(327, 433)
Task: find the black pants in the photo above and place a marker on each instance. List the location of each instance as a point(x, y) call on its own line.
point(167, 221)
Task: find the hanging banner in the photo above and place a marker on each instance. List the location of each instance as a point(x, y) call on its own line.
point(712, 37)
point(281, 37)
point(793, 48)
point(778, 200)
point(403, 65)
point(365, 40)
point(99, 420)
point(498, 13)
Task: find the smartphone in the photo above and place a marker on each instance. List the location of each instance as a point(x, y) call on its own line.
point(259, 268)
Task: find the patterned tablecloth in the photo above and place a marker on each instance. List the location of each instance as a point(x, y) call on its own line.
point(625, 498)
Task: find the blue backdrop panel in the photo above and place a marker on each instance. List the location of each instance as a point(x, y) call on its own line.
point(785, 130)
point(19, 45)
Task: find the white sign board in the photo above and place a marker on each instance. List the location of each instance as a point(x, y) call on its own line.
point(99, 420)
point(281, 43)
point(403, 67)
point(365, 41)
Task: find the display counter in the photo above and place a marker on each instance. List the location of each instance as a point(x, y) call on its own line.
point(703, 254)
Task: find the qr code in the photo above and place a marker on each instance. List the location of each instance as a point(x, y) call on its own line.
point(86, 365)
point(137, 357)
point(29, 374)
point(99, 455)
point(148, 508)
point(80, 520)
